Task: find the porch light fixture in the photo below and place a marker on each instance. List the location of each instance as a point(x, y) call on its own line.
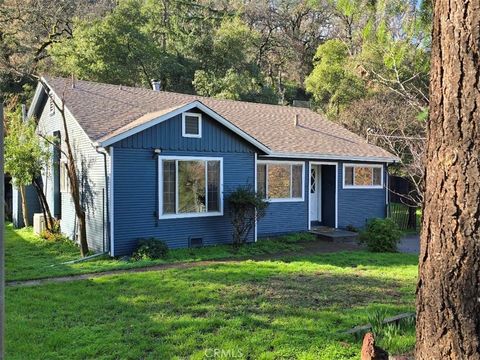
point(156, 152)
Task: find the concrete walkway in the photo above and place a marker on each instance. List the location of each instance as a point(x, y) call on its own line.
point(410, 244)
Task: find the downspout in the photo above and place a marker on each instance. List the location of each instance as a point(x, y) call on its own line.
point(102, 151)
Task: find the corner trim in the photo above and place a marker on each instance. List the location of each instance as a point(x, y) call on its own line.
point(112, 210)
point(255, 235)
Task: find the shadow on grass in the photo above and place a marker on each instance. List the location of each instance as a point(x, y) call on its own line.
point(352, 259)
point(266, 309)
point(27, 255)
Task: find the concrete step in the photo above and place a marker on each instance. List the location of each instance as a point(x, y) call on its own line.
point(331, 234)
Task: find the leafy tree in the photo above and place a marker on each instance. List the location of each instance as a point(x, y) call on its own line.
point(137, 41)
point(232, 72)
point(332, 83)
point(28, 28)
point(25, 156)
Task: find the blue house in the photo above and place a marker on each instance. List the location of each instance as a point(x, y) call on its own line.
point(160, 164)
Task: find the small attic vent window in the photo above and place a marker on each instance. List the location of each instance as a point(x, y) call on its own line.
point(192, 125)
point(51, 104)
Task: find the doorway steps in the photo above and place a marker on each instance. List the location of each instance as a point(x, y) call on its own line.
point(332, 234)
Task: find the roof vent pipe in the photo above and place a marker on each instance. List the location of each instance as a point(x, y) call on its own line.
point(295, 121)
point(155, 84)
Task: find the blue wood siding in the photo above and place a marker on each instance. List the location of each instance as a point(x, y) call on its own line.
point(135, 183)
point(357, 206)
point(286, 217)
point(136, 201)
point(168, 135)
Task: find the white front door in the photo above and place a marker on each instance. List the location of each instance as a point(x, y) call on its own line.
point(315, 191)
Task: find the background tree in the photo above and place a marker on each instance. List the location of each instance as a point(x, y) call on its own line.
point(448, 306)
point(332, 82)
point(28, 28)
point(26, 155)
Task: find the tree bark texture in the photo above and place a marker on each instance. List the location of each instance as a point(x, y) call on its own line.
point(23, 195)
point(448, 291)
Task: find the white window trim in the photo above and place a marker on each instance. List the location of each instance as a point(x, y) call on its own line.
point(267, 162)
point(160, 186)
point(199, 117)
point(65, 186)
point(345, 186)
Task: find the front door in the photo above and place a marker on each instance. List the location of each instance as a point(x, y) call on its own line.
point(315, 190)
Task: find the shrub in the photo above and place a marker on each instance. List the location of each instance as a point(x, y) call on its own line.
point(381, 235)
point(149, 249)
point(246, 207)
point(52, 236)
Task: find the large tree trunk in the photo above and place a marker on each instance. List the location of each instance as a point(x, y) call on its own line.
point(448, 293)
point(23, 195)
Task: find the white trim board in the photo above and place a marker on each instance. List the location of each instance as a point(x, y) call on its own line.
point(255, 235)
point(112, 217)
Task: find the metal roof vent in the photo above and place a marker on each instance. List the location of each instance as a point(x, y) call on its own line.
point(156, 84)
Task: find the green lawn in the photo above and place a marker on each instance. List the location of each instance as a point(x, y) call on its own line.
point(264, 310)
point(291, 308)
point(30, 257)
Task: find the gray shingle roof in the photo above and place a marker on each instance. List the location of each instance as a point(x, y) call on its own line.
point(104, 110)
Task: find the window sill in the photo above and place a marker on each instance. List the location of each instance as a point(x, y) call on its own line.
point(285, 200)
point(190, 215)
point(193, 136)
point(363, 187)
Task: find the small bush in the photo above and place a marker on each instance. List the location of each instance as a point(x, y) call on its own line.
point(52, 236)
point(381, 235)
point(246, 207)
point(149, 249)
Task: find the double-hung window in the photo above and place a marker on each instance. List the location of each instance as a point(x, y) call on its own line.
point(362, 176)
point(190, 186)
point(280, 180)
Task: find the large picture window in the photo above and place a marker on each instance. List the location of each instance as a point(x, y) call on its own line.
point(280, 181)
point(190, 186)
point(362, 176)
